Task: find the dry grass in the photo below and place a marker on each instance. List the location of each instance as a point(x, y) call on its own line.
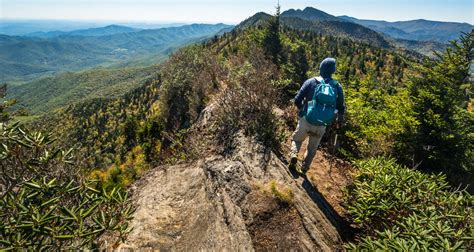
point(246, 101)
point(282, 193)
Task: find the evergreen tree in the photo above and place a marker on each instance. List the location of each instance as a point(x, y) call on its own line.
point(301, 64)
point(444, 138)
point(272, 41)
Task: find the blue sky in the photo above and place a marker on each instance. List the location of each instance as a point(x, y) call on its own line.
point(231, 11)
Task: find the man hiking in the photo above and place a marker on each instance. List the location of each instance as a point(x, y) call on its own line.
point(318, 101)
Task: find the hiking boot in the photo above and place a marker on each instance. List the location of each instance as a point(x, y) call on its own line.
point(293, 162)
point(303, 170)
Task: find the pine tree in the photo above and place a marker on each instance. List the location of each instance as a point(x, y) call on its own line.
point(272, 41)
point(301, 64)
point(444, 138)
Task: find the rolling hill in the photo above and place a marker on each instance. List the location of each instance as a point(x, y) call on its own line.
point(50, 93)
point(100, 31)
point(427, 48)
point(25, 58)
point(20, 27)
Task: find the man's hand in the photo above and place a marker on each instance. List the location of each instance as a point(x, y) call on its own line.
point(340, 121)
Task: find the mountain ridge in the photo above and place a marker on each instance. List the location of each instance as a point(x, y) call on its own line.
point(62, 53)
point(99, 31)
point(51, 93)
point(418, 29)
point(310, 13)
point(315, 20)
point(312, 19)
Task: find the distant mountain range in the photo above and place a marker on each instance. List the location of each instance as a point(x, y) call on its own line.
point(337, 28)
point(101, 31)
point(418, 35)
point(129, 53)
point(41, 51)
point(23, 27)
point(14, 27)
point(421, 30)
point(23, 58)
point(312, 19)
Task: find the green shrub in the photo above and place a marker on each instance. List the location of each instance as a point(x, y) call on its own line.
point(187, 79)
point(444, 139)
point(403, 209)
point(43, 202)
point(121, 176)
point(377, 117)
point(58, 215)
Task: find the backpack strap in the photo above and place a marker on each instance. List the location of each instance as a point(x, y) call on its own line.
point(333, 83)
point(319, 81)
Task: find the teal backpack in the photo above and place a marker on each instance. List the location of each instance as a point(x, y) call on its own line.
point(321, 109)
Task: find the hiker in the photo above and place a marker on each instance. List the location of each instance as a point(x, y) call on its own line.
point(318, 101)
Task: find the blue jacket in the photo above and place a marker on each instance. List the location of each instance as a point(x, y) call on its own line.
point(306, 93)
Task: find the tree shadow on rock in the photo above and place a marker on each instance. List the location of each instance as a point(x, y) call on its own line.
point(342, 225)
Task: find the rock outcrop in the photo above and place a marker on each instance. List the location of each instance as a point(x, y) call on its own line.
point(244, 201)
point(221, 203)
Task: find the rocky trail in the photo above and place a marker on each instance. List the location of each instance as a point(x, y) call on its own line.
point(248, 200)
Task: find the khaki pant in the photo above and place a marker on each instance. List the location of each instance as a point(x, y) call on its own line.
point(303, 130)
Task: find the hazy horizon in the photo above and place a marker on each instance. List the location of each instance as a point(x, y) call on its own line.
point(226, 11)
